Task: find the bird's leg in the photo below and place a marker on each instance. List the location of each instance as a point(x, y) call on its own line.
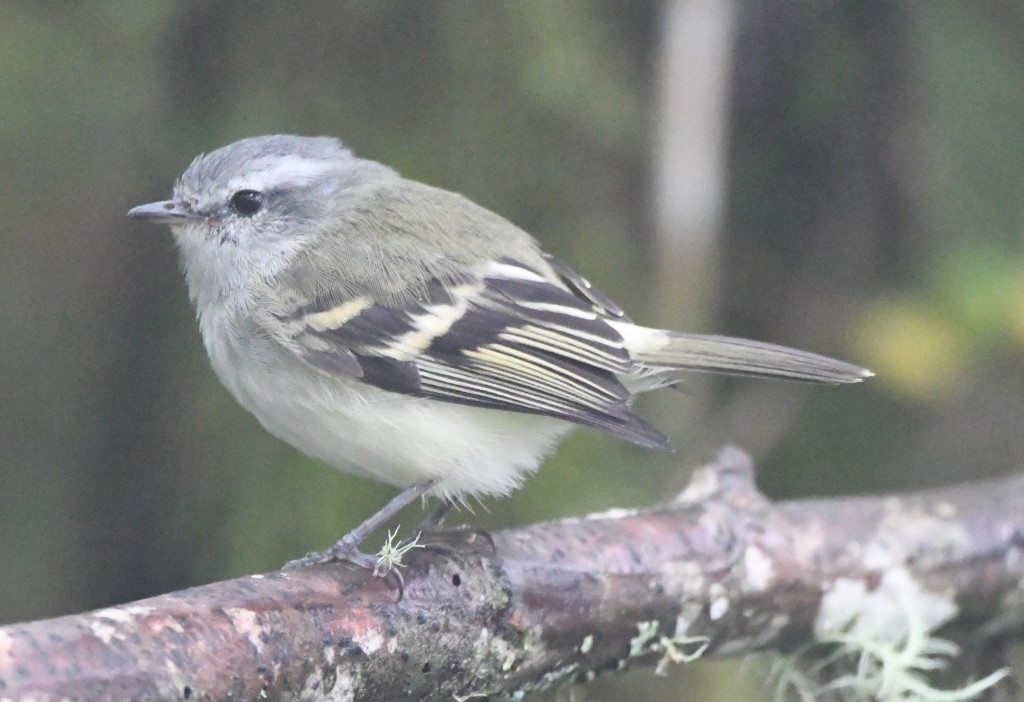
point(347, 547)
point(432, 534)
point(435, 520)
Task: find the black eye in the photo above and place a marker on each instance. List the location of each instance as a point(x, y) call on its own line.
point(247, 202)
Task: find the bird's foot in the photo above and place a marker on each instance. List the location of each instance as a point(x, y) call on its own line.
point(435, 520)
point(385, 564)
point(344, 551)
point(456, 539)
point(347, 547)
point(432, 535)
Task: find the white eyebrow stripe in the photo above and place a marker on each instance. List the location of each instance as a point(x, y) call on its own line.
point(279, 171)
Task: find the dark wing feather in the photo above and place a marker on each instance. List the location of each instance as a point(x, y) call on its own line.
point(511, 340)
point(583, 289)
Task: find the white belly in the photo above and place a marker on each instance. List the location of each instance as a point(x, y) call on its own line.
point(383, 435)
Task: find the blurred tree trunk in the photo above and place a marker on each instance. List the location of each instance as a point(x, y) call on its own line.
point(693, 77)
point(692, 111)
point(823, 131)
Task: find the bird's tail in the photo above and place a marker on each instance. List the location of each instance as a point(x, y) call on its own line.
point(661, 349)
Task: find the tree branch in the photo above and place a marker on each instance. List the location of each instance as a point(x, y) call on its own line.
point(720, 570)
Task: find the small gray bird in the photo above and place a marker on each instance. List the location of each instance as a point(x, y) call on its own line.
point(401, 332)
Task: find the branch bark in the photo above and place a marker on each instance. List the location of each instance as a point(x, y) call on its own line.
point(720, 568)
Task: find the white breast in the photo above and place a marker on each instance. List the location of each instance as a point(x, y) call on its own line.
point(387, 436)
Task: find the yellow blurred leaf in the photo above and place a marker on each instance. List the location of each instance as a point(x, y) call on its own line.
point(1015, 309)
point(911, 348)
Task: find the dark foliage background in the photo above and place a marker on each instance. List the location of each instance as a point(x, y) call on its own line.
point(870, 209)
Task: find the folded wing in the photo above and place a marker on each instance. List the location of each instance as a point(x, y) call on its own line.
point(508, 339)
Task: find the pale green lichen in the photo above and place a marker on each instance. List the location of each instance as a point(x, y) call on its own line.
point(893, 670)
point(588, 643)
point(881, 671)
point(675, 653)
point(884, 644)
point(646, 632)
point(673, 647)
point(392, 553)
point(555, 678)
point(510, 660)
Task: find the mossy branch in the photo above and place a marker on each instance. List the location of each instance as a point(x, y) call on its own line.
point(720, 571)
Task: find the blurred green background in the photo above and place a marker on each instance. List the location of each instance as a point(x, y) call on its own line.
point(846, 179)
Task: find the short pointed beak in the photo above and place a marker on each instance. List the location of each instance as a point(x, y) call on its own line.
point(165, 212)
